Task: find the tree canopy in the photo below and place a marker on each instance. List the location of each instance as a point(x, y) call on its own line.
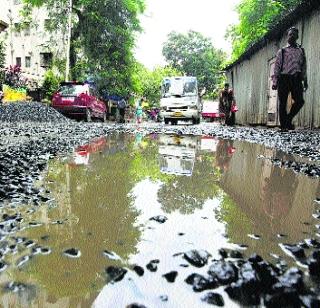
point(256, 18)
point(147, 82)
point(194, 55)
point(102, 40)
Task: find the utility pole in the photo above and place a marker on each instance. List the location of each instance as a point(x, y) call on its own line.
point(11, 36)
point(68, 41)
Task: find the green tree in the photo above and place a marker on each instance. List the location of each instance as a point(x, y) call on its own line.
point(194, 55)
point(102, 40)
point(256, 17)
point(147, 83)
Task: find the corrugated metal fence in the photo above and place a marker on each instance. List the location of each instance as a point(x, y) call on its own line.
point(250, 78)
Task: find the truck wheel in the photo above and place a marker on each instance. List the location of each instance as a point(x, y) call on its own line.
point(88, 115)
point(166, 121)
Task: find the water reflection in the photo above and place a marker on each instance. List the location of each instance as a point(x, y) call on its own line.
point(271, 200)
point(177, 154)
point(213, 192)
point(82, 153)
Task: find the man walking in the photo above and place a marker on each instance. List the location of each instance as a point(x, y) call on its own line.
point(290, 76)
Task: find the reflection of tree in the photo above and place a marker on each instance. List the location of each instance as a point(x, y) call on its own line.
point(144, 163)
point(100, 202)
point(188, 193)
point(238, 225)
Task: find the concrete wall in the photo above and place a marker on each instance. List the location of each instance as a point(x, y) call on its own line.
point(251, 78)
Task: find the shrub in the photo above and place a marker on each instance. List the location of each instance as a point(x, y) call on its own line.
point(50, 84)
point(13, 77)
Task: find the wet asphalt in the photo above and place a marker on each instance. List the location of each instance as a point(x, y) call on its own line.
point(33, 134)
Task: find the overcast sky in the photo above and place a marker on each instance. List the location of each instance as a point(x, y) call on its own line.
point(209, 17)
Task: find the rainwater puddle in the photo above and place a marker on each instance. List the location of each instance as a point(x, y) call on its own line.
point(212, 193)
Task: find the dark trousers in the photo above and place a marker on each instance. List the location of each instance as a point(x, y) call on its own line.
point(122, 112)
point(289, 84)
point(225, 107)
point(230, 118)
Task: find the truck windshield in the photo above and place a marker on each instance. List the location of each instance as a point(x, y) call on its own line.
point(179, 87)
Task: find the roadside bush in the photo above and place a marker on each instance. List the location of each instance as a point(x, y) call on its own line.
point(50, 84)
point(13, 77)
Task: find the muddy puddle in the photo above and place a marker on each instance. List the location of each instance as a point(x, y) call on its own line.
point(209, 194)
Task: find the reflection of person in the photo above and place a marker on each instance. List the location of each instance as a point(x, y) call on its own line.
point(121, 105)
point(290, 76)
point(224, 153)
point(278, 191)
point(226, 101)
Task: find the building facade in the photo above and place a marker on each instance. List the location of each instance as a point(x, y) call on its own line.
point(31, 45)
point(251, 74)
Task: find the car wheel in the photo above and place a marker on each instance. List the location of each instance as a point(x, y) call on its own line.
point(88, 115)
point(166, 121)
point(194, 121)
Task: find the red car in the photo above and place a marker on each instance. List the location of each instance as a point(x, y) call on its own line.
point(78, 99)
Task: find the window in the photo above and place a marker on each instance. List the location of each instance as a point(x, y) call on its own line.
point(18, 61)
point(47, 23)
point(73, 89)
point(45, 59)
point(27, 30)
point(28, 61)
point(17, 29)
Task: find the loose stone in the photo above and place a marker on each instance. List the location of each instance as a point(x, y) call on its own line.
point(72, 253)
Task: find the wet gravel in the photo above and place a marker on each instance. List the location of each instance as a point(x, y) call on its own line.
point(31, 134)
point(26, 112)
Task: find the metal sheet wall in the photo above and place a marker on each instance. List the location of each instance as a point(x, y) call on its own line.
point(250, 78)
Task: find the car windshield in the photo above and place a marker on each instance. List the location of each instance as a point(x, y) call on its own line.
point(73, 89)
point(179, 87)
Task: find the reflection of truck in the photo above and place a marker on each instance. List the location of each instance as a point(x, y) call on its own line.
point(180, 100)
point(177, 154)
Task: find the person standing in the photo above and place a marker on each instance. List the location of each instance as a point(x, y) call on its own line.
point(226, 101)
point(290, 76)
point(121, 105)
point(139, 111)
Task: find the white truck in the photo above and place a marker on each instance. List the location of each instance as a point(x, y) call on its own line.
point(180, 100)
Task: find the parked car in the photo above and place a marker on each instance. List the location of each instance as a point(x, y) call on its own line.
point(79, 100)
point(210, 111)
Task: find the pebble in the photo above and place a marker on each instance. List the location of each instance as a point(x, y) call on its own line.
point(197, 258)
point(171, 276)
point(72, 253)
point(116, 273)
